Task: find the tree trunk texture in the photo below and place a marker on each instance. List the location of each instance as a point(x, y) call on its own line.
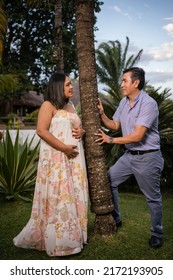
point(58, 36)
point(7, 107)
point(99, 187)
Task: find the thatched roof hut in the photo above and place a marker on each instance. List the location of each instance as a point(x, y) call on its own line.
point(28, 103)
point(31, 101)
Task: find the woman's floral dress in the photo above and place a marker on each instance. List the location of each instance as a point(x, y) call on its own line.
point(58, 222)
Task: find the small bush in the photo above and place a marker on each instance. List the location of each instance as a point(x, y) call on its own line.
point(18, 167)
point(1, 135)
point(31, 119)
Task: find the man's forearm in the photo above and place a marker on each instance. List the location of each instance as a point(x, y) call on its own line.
point(110, 124)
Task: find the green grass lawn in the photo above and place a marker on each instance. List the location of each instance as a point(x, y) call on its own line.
point(128, 243)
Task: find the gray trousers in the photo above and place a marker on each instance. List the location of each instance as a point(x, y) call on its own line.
point(147, 170)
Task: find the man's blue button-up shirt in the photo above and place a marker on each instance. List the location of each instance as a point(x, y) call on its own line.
point(144, 112)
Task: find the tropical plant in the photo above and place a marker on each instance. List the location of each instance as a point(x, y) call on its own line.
point(31, 119)
point(165, 105)
point(1, 135)
point(8, 82)
point(112, 59)
point(18, 167)
point(8, 85)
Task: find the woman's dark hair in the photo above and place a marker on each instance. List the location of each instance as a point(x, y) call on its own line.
point(137, 74)
point(55, 90)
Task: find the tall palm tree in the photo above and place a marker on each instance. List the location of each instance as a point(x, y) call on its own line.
point(3, 27)
point(112, 59)
point(100, 194)
point(8, 82)
point(58, 36)
point(58, 29)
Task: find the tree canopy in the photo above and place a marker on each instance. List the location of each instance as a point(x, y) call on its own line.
point(29, 44)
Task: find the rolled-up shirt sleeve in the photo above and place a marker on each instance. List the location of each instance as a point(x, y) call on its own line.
point(148, 114)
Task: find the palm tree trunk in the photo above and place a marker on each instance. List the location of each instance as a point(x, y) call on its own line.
point(99, 188)
point(58, 36)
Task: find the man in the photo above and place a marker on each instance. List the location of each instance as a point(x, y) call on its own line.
point(137, 116)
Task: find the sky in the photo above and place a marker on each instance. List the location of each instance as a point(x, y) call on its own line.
point(149, 26)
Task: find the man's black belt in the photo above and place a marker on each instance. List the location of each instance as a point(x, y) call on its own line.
point(141, 152)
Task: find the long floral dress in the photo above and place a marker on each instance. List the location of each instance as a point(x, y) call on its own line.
point(58, 222)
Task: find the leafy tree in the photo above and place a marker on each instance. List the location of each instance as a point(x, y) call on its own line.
point(30, 43)
point(31, 49)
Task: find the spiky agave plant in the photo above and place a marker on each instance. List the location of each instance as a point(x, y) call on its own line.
point(18, 167)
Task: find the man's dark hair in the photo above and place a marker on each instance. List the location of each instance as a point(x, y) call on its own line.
point(137, 74)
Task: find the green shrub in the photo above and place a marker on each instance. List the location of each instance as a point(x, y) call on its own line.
point(10, 117)
point(1, 135)
point(18, 167)
point(31, 119)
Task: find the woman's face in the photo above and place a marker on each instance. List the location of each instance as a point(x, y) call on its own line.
point(68, 88)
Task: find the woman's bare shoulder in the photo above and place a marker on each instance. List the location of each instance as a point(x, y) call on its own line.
point(46, 104)
point(47, 108)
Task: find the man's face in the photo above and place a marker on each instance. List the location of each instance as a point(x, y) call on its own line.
point(129, 87)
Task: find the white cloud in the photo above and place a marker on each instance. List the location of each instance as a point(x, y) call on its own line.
point(160, 79)
point(164, 52)
point(169, 28)
point(118, 10)
point(159, 76)
point(169, 18)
